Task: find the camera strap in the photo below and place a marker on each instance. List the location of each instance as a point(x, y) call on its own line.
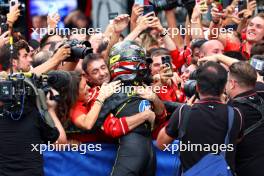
point(41, 103)
point(184, 116)
point(258, 107)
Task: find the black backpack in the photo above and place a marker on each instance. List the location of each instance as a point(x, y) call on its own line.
point(258, 107)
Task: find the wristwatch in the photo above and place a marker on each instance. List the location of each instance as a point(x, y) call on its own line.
point(163, 33)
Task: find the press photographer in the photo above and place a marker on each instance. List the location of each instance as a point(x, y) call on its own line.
point(246, 94)
point(197, 124)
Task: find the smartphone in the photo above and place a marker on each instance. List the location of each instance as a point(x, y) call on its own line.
point(219, 5)
point(166, 60)
point(12, 3)
point(242, 4)
point(139, 2)
point(52, 9)
point(148, 9)
point(111, 16)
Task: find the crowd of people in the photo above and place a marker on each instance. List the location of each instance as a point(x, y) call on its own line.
point(183, 86)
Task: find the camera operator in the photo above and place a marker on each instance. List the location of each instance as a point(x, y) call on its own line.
point(243, 88)
point(17, 157)
point(204, 117)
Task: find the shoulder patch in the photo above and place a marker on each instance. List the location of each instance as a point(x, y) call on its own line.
point(144, 104)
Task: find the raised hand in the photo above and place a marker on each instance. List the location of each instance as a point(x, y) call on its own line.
point(121, 22)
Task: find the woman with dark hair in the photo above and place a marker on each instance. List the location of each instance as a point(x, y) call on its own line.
point(69, 94)
point(74, 98)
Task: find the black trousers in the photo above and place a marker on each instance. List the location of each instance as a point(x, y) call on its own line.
point(135, 156)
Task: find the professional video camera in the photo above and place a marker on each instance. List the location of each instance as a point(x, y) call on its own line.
point(18, 88)
point(190, 85)
point(77, 52)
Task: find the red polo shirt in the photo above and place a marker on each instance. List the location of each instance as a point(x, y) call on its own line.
point(113, 127)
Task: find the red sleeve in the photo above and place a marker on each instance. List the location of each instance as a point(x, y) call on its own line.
point(78, 110)
point(115, 127)
point(180, 58)
point(175, 56)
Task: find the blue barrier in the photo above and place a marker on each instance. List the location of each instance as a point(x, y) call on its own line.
point(100, 163)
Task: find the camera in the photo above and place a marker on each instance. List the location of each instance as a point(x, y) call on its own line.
point(165, 4)
point(190, 85)
point(20, 89)
point(78, 52)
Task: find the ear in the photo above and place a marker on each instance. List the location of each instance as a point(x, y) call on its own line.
point(232, 84)
point(87, 77)
point(15, 63)
point(197, 88)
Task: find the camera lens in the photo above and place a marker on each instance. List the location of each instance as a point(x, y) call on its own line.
point(190, 88)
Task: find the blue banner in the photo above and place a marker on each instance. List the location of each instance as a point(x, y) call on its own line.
point(100, 163)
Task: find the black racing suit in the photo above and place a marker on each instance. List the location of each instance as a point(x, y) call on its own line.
point(135, 155)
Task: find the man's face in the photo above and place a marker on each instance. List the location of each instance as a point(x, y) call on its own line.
point(186, 74)
point(196, 54)
point(255, 30)
point(24, 61)
point(97, 72)
point(156, 64)
point(212, 47)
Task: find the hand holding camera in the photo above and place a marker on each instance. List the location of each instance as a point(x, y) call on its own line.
point(216, 14)
point(13, 15)
point(145, 21)
point(53, 20)
point(62, 53)
point(52, 99)
point(198, 9)
point(137, 10)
